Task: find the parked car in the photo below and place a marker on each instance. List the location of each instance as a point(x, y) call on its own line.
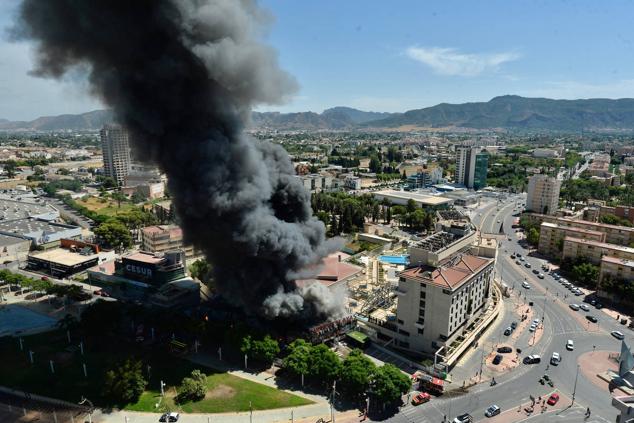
point(169, 417)
point(532, 359)
point(540, 276)
point(552, 400)
point(598, 306)
point(527, 265)
point(592, 318)
point(517, 262)
point(493, 410)
point(570, 345)
point(574, 307)
point(578, 292)
point(617, 334)
point(532, 328)
point(508, 331)
point(555, 359)
point(420, 398)
point(513, 325)
point(463, 418)
point(525, 285)
point(497, 359)
point(584, 307)
point(535, 271)
point(505, 350)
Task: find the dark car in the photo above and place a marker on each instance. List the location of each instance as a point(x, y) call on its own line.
point(505, 350)
point(598, 306)
point(507, 331)
point(535, 271)
point(514, 325)
point(592, 318)
point(497, 359)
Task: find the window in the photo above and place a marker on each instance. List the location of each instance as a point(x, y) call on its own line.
point(422, 295)
point(420, 331)
point(446, 291)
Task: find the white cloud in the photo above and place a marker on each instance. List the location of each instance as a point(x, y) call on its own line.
point(623, 88)
point(450, 61)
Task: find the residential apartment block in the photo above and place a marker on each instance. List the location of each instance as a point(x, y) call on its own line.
point(614, 234)
point(617, 269)
point(163, 238)
point(543, 194)
point(116, 152)
point(551, 237)
point(593, 251)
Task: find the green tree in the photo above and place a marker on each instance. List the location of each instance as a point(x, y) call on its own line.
point(375, 164)
point(125, 384)
point(93, 322)
point(263, 351)
point(355, 374)
point(10, 168)
point(411, 206)
point(192, 388)
point(200, 269)
point(532, 236)
point(298, 359)
point(118, 196)
point(611, 219)
point(389, 384)
point(114, 234)
point(324, 364)
point(586, 274)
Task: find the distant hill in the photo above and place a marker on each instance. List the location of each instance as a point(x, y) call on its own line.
point(85, 121)
point(515, 112)
point(334, 118)
point(505, 112)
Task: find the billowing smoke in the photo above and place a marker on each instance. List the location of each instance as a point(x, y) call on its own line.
point(182, 76)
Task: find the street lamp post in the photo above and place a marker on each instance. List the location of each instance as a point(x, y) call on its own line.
point(574, 390)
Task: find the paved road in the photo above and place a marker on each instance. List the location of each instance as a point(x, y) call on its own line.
point(560, 324)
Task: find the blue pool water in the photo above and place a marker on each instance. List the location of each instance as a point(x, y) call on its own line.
point(395, 259)
point(15, 319)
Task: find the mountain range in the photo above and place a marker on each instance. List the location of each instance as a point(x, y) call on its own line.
point(506, 112)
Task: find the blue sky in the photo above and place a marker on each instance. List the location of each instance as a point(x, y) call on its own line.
point(398, 55)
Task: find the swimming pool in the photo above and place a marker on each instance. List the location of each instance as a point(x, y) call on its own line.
point(395, 259)
point(16, 319)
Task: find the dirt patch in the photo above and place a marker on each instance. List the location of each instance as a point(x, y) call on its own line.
point(221, 391)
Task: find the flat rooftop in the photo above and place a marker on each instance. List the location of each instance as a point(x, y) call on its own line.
point(449, 276)
point(14, 209)
point(331, 271)
point(428, 200)
point(437, 241)
point(571, 229)
point(33, 226)
point(145, 257)
point(6, 240)
point(600, 244)
point(63, 256)
point(619, 261)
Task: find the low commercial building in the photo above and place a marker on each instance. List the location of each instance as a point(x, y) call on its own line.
point(73, 257)
point(13, 209)
point(421, 200)
point(352, 182)
point(157, 279)
point(435, 305)
point(162, 238)
point(545, 153)
point(593, 251)
point(13, 248)
point(551, 237)
point(42, 233)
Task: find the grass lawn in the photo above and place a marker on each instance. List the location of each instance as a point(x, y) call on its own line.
point(107, 207)
point(226, 392)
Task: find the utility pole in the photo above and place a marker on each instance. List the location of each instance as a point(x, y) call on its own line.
point(574, 390)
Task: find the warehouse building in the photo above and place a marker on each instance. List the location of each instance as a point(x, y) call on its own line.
point(71, 258)
point(41, 233)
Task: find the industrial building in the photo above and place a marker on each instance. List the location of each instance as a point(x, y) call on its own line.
point(11, 209)
point(13, 248)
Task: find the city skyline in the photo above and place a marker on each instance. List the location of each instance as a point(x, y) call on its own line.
point(351, 55)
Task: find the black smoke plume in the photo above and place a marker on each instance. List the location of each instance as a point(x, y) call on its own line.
point(182, 76)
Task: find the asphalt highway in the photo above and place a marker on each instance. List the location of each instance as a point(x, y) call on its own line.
point(560, 324)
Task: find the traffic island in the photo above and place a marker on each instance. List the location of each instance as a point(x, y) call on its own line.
point(529, 409)
point(601, 368)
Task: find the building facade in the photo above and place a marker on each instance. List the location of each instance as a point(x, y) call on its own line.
point(471, 167)
point(543, 194)
point(116, 152)
point(593, 251)
point(551, 237)
point(163, 238)
point(435, 305)
point(614, 234)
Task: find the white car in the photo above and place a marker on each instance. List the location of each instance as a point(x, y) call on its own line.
point(535, 322)
point(555, 359)
point(532, 328)
point(584, 307)
point(525, 285)
point(575, 307)
point(570, 345)
point(493, 410)
point(617, 334)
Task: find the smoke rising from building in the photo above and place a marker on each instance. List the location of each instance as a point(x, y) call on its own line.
point(182, 76)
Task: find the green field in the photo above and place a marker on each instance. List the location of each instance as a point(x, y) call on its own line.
point(226, 392)
point(106, 207)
